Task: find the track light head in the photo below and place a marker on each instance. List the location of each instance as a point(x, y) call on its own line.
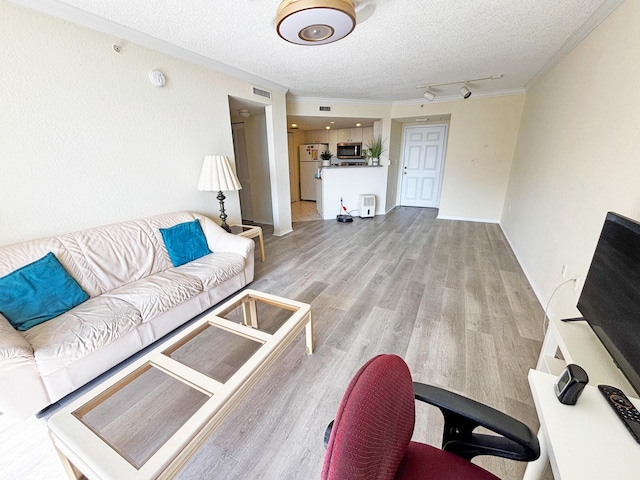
point(465, 92)
point(429, 95)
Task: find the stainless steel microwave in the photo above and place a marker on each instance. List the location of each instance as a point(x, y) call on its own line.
point(349, 150)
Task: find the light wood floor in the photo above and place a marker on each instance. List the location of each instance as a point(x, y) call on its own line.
point(447, 296)
point(304, 211)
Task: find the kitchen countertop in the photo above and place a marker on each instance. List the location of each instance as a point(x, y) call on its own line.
point(353, 166)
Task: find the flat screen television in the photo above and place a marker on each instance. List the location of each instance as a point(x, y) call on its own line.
point(610, 298)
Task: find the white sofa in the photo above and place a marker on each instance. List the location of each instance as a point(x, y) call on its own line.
point(136, 296)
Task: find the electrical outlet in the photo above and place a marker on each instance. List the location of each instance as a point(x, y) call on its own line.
point(564, 271)
point(575, 285)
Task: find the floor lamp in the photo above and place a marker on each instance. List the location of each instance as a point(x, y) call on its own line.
point(217, 175)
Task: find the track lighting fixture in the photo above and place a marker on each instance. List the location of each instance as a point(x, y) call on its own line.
point(464, 89)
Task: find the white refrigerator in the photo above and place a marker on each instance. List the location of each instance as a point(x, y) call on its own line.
point(309, 164)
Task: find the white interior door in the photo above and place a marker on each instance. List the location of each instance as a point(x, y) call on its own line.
point(422, 162)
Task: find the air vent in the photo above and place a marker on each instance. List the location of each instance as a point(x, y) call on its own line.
point(325, 109)
point(260, 92)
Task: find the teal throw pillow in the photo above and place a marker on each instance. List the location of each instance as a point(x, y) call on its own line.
point(38, 292)
point(185, 242)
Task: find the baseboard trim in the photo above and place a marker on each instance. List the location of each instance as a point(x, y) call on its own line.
point(537, 292)
point(468, 219)
point(282, 233)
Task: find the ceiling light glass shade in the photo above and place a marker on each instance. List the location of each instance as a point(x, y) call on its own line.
point(465, 92)
point(429, 95)
point(243, 113)
point(217, 175)
point(315, 22)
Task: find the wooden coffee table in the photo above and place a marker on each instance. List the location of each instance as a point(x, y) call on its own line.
point(148, 420)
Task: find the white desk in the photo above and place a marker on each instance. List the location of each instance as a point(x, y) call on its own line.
point(583, 441)
point(578, 344)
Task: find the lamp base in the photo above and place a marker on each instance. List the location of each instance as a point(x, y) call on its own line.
point(223, 215)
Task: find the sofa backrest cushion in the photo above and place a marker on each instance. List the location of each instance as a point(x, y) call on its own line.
point(113, 255)
point(104, 258)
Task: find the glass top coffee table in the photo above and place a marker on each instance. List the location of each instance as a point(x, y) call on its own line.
point(148, 420)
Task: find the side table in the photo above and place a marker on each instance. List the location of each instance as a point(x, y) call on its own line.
point(250, 231)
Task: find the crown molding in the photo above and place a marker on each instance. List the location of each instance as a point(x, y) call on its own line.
point(415, 101)
point(329, 101)
point(94, 22)
point(607, 7)
point(458, 98)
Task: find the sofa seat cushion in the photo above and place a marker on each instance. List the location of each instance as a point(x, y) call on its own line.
point(158, 293)
point(80, 332)
point(212, 270)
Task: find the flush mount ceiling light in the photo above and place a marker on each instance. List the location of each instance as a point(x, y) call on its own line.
point(244, 113)
point(464, 89)
point(315, 22)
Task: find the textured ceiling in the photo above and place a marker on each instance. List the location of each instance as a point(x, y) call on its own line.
point(397, 44)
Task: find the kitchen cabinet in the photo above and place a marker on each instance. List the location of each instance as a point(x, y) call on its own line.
point(316, 136)
point(333, 141)
point(367, 135)
point(350, 135)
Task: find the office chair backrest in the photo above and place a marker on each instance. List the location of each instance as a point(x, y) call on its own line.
point(374, 423)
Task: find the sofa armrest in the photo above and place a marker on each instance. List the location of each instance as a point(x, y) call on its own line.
point(22, 391)
point(12, 343)
point(219, 240)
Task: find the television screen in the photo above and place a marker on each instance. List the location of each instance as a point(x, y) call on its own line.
point(610, 298)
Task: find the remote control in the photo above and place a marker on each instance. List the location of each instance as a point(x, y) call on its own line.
point(623, 408)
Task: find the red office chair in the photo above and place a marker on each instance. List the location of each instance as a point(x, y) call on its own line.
point(370, 438)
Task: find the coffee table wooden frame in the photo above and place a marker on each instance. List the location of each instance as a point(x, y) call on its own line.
point(251, 231)
point(84, 453)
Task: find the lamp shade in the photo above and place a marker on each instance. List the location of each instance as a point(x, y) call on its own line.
point(217, 175)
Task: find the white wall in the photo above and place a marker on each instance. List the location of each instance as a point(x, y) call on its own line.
point(349, 183)
point(258, 160)
point(395, 156)
point(481, 141)
point(577, 157)
point(87, 140)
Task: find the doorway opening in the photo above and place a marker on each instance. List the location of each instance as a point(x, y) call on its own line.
point(249, 130)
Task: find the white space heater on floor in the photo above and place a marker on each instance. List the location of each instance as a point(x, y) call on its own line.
point(367, 205)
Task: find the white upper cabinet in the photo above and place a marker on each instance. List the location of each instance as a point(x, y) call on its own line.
point(367, 135)
point(350, 135)
point(316, 136)
point(333, 140)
